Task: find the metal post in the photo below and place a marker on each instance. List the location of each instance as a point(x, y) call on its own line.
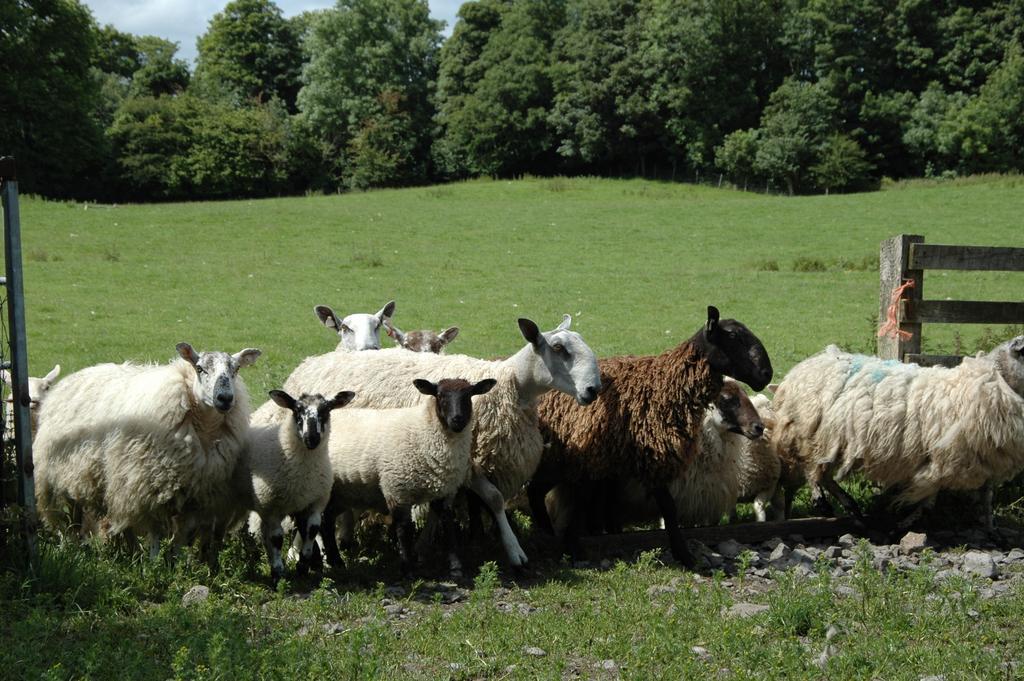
point(19, 355)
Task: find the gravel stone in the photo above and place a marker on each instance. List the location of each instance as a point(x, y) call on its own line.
point(847, 541)
point(196, 594)
point(730, 548)
point(980, 563)
point(534, 651)
point(744, 610)
point(913, 542)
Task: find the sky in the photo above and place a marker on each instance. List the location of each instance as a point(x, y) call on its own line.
point(185, 20)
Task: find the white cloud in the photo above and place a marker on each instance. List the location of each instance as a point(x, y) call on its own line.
point(183, 21)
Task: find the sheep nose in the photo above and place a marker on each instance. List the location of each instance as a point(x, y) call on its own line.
point(758, 430)
point(312, 440)
point(589, 395)
point(766, 374)
point(223, 402)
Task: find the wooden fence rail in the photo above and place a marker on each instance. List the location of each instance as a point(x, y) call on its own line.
point(905, 258)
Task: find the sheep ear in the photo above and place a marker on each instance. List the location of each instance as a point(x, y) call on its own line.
point(246, 357)
point(449, 334)
point(341, 399)
point(394, 332)
point(283, 399)
point(6, 376)
point(386, 312)
point(483, 386)
point(327, 317)
point(188, 352)
point(773, 388)
point(425, 386)
point(1017, 344)
point(712, 325)
point(54, 373)
point(530, 332)
point(566, 321)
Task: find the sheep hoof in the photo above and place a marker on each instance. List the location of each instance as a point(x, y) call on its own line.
point(302, 568)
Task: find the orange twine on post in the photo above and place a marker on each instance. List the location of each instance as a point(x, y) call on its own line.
point(891, 327)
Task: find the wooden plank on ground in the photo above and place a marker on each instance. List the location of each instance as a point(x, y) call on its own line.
point(744, 533)
point(948, 361)
point(990, 258)
point(962, 312)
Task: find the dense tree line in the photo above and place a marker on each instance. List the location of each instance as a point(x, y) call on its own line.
point(801, 95)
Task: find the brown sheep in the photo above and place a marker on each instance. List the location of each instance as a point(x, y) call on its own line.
point(647, 422)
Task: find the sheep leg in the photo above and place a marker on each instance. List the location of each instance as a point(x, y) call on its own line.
point(819, 502)
point(154, 545)
point(475, 510)
point(273, 542)
point(987, 492)
point(492, 498)
point(782, 501)
point(308, 522)
point(760, 504)
point(327, 536)
point(848, 502)
point(536, 490)
point(667, 508)
point(401, 521)
point(443, 509)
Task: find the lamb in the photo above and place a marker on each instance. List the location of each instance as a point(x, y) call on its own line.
point(507, 441)
point(37, 388)
point(391, 459)
point(914, 429)
point(152, 448)
point(647, 423)
point(356, 331)
point(703, 492)
point(421, 341)
point(760, 468)
point(285, 470)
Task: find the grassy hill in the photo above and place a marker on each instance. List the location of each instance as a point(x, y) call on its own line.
point(635, 263)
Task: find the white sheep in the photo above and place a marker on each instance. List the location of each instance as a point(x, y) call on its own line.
point(421, 341)
point(37, 388)
point(357, 331)
point(285, 470)
point(391, 459)
point(508, 443)
point(919, 430)
point(151, 448)
point(703, 492)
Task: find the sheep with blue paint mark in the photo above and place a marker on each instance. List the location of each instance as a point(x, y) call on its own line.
point(916, 430)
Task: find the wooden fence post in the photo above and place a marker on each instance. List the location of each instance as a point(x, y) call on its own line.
point(894, 270)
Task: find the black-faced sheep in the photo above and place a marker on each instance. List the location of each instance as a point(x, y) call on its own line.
point(647, 423)
point(286, 470)
point(391, 459)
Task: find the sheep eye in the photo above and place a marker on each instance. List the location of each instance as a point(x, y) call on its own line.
point(559, 348)
point(200, 370)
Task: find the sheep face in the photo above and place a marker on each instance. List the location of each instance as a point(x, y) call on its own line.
point(732, 349)
point(1009, 359)
point(567, 358)
point(356, 331)
point(735, 412)
point(37, 387)
point(421, 341)
point(453, 399)
point(216, 372)
point(311, 414)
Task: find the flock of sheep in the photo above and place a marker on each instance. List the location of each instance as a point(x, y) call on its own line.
point(592, 445)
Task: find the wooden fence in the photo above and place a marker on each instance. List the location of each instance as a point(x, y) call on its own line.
point(905, 258)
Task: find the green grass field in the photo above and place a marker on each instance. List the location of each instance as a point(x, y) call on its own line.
point(635, 263)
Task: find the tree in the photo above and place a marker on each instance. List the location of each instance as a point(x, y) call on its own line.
point(161, 72)
point(841, 164)
point(501, 127)
point(736, 155)
point(459, 72)
point(359, 52)
point(795, 124)
point(48, 96)
point(250, 52)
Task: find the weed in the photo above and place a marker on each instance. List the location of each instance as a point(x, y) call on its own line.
point(766, 265)
point(806, 264)
point(39, 255)
point(367, 260)
point(111, 254)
